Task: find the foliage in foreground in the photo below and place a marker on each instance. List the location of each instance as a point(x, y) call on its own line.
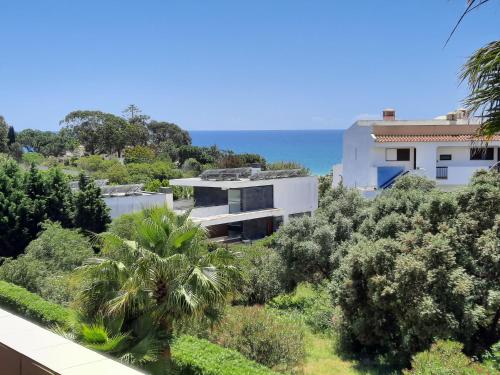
point(424, 265)
point(165, 276)
point(482, 73)
point(20, 301)
point(190, 355)
point(193, 356)
point(46, 266)
point(444, 358)
point(312, 303)
point(272, 340)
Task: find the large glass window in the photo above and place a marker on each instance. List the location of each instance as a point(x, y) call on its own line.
point(234, 196)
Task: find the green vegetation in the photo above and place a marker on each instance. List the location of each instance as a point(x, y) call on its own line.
point(166, 276)
point(364, 286)
point(272, 340)
point(28, 198)
point(48, 262)
point(444, 357)
point(200, 357)
point(32, 306)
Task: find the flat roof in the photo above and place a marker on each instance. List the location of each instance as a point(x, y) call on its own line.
point(55, 352)
point(232, 184)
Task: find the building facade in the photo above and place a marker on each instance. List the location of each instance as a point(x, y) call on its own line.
point(247, 203)
point(445, 150)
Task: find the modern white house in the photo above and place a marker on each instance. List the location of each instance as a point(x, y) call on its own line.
point(445, 149)
point(248, 203)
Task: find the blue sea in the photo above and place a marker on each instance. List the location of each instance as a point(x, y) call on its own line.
point(316, 149)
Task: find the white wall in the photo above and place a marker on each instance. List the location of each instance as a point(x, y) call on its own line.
point(379, 156)
point(459, 175)
point(295, 195)
point(460, 156)
point(126, 204)
point(357, 157)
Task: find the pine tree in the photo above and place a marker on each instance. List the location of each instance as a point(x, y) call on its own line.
point(91, 212)
point(59, 198)
point(11, 136)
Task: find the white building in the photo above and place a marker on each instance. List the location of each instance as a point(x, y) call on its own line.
point(445, 150)
point(247, 203)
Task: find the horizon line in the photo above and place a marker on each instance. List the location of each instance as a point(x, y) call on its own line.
point(257, 130)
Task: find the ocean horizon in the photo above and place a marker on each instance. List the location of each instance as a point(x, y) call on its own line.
point(318, 149)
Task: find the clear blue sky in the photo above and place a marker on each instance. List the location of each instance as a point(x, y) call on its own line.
point(259, 64)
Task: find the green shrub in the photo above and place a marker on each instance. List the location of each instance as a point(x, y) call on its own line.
point(443, 358)
point(32, 158)
point(194, 356)
point(274, 341)
point(492, 358)
point(20, 301)
point(47, 263)
point(139, 154)
point(312, 302)
point(262, 270)
point(125, 225)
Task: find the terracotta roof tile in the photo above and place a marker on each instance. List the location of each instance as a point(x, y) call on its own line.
point(432, 138)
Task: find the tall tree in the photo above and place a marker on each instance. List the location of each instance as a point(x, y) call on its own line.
point(4, 129)
point(11, 136)
point(87, 127)
point(91, 213)
point(163, 131)
point(167, 275)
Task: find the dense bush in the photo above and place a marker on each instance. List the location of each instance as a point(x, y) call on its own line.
point(444, 358)
point(311, 246)
point(272, 340)
point(193, 356)
point(28, 198)
point(139, 154)
point(45, 267)
point(262, 273)
point(426, 265)
point(305, 245)
point(32, 306)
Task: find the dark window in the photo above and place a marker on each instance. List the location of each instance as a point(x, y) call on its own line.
point(445, 157)
point(481, 153)
point(403, 154)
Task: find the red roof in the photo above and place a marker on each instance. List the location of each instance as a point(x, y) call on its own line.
point(433, 138)
point(429, 133)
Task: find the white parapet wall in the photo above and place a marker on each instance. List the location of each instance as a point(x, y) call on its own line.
point(126, 204)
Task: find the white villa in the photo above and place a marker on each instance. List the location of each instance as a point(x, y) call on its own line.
point(444, 149)
point(247, 203)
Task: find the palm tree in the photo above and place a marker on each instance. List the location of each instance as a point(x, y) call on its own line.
point(482, 73)
point(168, 274)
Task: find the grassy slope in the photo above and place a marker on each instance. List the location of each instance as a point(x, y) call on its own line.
point(322, 360)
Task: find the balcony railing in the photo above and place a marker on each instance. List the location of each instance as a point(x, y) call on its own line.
point(442, 173)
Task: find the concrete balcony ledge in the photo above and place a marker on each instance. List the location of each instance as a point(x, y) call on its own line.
point(240, 216)
point(27, 349)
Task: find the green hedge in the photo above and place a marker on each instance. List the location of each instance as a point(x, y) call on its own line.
point(195, 356)
point(191, 355)
point(20, 301)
